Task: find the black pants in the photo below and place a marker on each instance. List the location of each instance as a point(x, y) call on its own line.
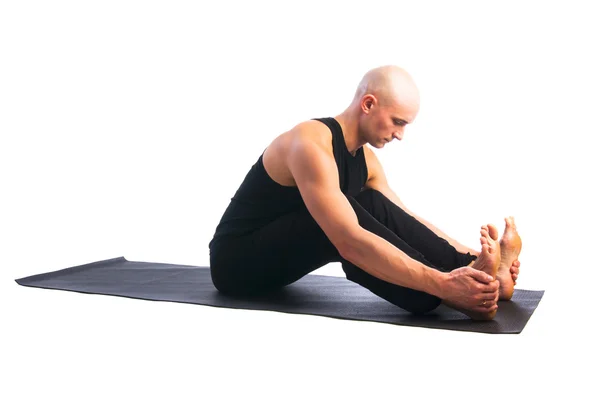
point(294, 245)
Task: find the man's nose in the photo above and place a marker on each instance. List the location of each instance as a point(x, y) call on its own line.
point(399, 134)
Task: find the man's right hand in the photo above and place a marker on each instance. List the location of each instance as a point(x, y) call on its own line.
point(469, 289)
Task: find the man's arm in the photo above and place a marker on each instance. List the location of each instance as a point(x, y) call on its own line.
point(378, 181)
point(315, 173)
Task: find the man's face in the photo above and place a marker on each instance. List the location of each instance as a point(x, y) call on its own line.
point(386, 122)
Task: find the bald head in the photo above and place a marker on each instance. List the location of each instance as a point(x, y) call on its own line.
point(390, 85)
point(386, 100)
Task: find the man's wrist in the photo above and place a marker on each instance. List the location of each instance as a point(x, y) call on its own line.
point(436, 282)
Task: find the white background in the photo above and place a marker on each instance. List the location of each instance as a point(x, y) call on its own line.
point(126, 127)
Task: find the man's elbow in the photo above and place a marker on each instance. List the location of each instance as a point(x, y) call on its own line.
point(349, 242)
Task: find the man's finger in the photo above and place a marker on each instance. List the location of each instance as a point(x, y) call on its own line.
point(483, 309)
point(489, 297)
point(480, 276)
point(491, 287)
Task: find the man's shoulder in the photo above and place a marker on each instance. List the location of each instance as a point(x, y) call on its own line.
point(369, 153)
point(306, 133)
point(312, 130)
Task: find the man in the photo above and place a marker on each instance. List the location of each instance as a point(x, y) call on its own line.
point(317, 194)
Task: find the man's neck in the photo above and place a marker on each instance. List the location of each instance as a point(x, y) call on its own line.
point(349, 124)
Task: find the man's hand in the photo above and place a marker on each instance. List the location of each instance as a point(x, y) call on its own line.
point(471, 290)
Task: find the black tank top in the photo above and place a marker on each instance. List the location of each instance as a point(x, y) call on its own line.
point(259, 199)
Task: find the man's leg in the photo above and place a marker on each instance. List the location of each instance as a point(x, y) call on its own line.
point(293, 246)
point(409, 299)
point(435, 249)
point(271, 257)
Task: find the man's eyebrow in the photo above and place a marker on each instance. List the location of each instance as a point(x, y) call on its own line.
point(401, 120)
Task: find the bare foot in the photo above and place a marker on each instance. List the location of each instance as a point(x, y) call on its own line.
point(510, 247)
point(488, 261)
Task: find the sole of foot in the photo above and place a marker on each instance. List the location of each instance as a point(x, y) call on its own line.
point(510, 248)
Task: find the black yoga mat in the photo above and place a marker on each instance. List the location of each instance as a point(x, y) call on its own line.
point(313, 294)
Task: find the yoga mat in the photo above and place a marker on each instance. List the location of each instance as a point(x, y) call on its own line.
point(313, 294)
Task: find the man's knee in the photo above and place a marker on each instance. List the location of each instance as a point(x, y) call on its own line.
point(364, 199)
point(370, 198)
point(368, 193)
